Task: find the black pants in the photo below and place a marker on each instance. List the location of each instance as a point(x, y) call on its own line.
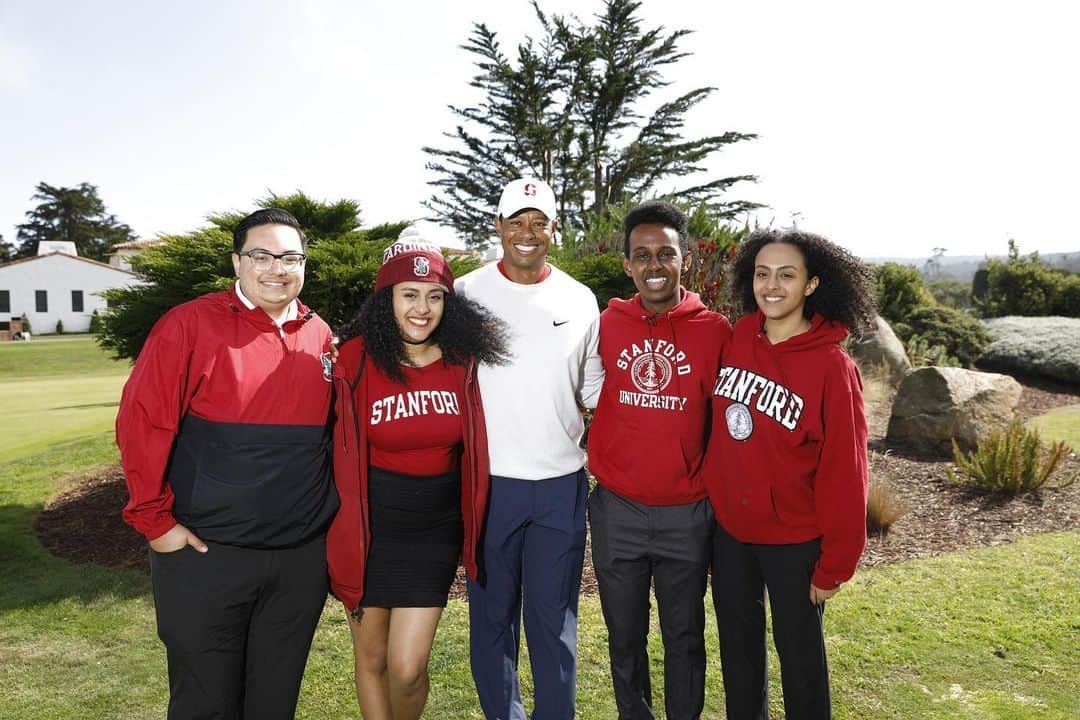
point(237, 624)
point(634, 545)
point(741, 574)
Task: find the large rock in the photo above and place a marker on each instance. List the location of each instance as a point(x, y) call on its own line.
point(880, 348)
point(934, 405)
point(1038, 346)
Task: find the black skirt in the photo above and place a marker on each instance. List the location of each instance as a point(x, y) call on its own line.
point(416, 536)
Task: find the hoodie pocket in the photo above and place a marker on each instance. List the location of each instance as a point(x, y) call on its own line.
point(792, 501)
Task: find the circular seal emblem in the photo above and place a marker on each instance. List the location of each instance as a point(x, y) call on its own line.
point(650, 372)
point(421, 266)
point(739, 421)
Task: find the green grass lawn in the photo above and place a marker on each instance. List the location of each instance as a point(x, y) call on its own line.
point(57, 355)
point(1062, 424)
point(987, 633)
point(55, 390)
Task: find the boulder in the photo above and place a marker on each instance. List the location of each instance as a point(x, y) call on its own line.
point(880, 348)
point(1046, 347)
point(934, 405)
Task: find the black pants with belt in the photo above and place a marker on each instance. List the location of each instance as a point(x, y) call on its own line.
point(741, 573)
point(635, 546)
point(237, 624)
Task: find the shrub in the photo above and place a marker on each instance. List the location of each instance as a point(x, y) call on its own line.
point(1067, 302)
point(980, 283)
point(59, 327)
point(922, 354)
point(1009, 461)
point(1025, 286)
point(899, 291)
point(883, 508)
point(26, 323)
point(95, 323)
point(1044, 346)
point(712, 245)
point(951, 292)
point(1018, 287)
point(962, 336)
point(602, 272)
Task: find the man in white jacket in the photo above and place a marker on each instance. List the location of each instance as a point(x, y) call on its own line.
point(534, 534)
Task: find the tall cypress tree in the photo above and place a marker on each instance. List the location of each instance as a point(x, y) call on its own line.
point(74, 214)
point(568, 109)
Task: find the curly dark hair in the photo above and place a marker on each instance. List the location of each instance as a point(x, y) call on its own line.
point(467, 331)
point(845, 291)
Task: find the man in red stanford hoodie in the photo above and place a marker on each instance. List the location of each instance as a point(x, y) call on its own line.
point(223, 435)
point(649, 513)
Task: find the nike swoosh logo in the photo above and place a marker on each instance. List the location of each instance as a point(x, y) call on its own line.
point(557, 324)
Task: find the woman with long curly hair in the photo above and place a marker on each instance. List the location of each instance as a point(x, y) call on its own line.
point(786, 466)
point(410, 465)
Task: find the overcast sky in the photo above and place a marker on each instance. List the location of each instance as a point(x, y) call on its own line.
point(892, 128)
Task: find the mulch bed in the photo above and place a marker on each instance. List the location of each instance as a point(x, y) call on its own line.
point(941, 517)
point(82, 523)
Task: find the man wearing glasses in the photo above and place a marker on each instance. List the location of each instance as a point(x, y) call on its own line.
point(222, 430)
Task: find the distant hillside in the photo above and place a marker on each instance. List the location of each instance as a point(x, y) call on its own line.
point(963, 267)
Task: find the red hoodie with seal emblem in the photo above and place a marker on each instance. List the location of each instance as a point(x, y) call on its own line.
point(787, 454)
point(647, 438)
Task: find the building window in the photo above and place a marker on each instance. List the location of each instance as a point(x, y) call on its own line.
point(5, 301)
point(76, 301)
point(41, 300)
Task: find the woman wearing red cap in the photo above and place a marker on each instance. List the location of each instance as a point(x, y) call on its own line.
point(410, 465)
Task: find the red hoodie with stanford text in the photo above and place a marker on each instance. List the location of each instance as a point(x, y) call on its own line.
point(787, 454)
point(647, 438)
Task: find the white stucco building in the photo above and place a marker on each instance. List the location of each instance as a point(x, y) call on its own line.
point(57, 286)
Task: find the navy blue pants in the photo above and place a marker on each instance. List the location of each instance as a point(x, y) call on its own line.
point(532, 551)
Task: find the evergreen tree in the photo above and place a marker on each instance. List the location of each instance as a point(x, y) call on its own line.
point(568, 109)
point(73, 214)
point(340, 271)
point(7, 252)
point(179, 270)
point(320, 219)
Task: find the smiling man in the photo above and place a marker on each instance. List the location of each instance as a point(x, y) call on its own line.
point(222, 435)
point(534, 534)
point(650, 515)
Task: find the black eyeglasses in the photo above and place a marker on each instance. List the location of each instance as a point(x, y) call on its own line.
point(264, 260)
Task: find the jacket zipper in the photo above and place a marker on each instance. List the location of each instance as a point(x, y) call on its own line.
point(470, 381)
point(358, 612)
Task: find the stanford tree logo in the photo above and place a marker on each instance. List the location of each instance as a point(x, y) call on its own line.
point(740, 423)
point(651, 372)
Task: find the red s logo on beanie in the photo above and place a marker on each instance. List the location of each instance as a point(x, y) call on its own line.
point(530, 190)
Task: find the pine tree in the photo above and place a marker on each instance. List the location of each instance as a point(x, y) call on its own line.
point(568, 109)
point(71, 214)
point(339, 274)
